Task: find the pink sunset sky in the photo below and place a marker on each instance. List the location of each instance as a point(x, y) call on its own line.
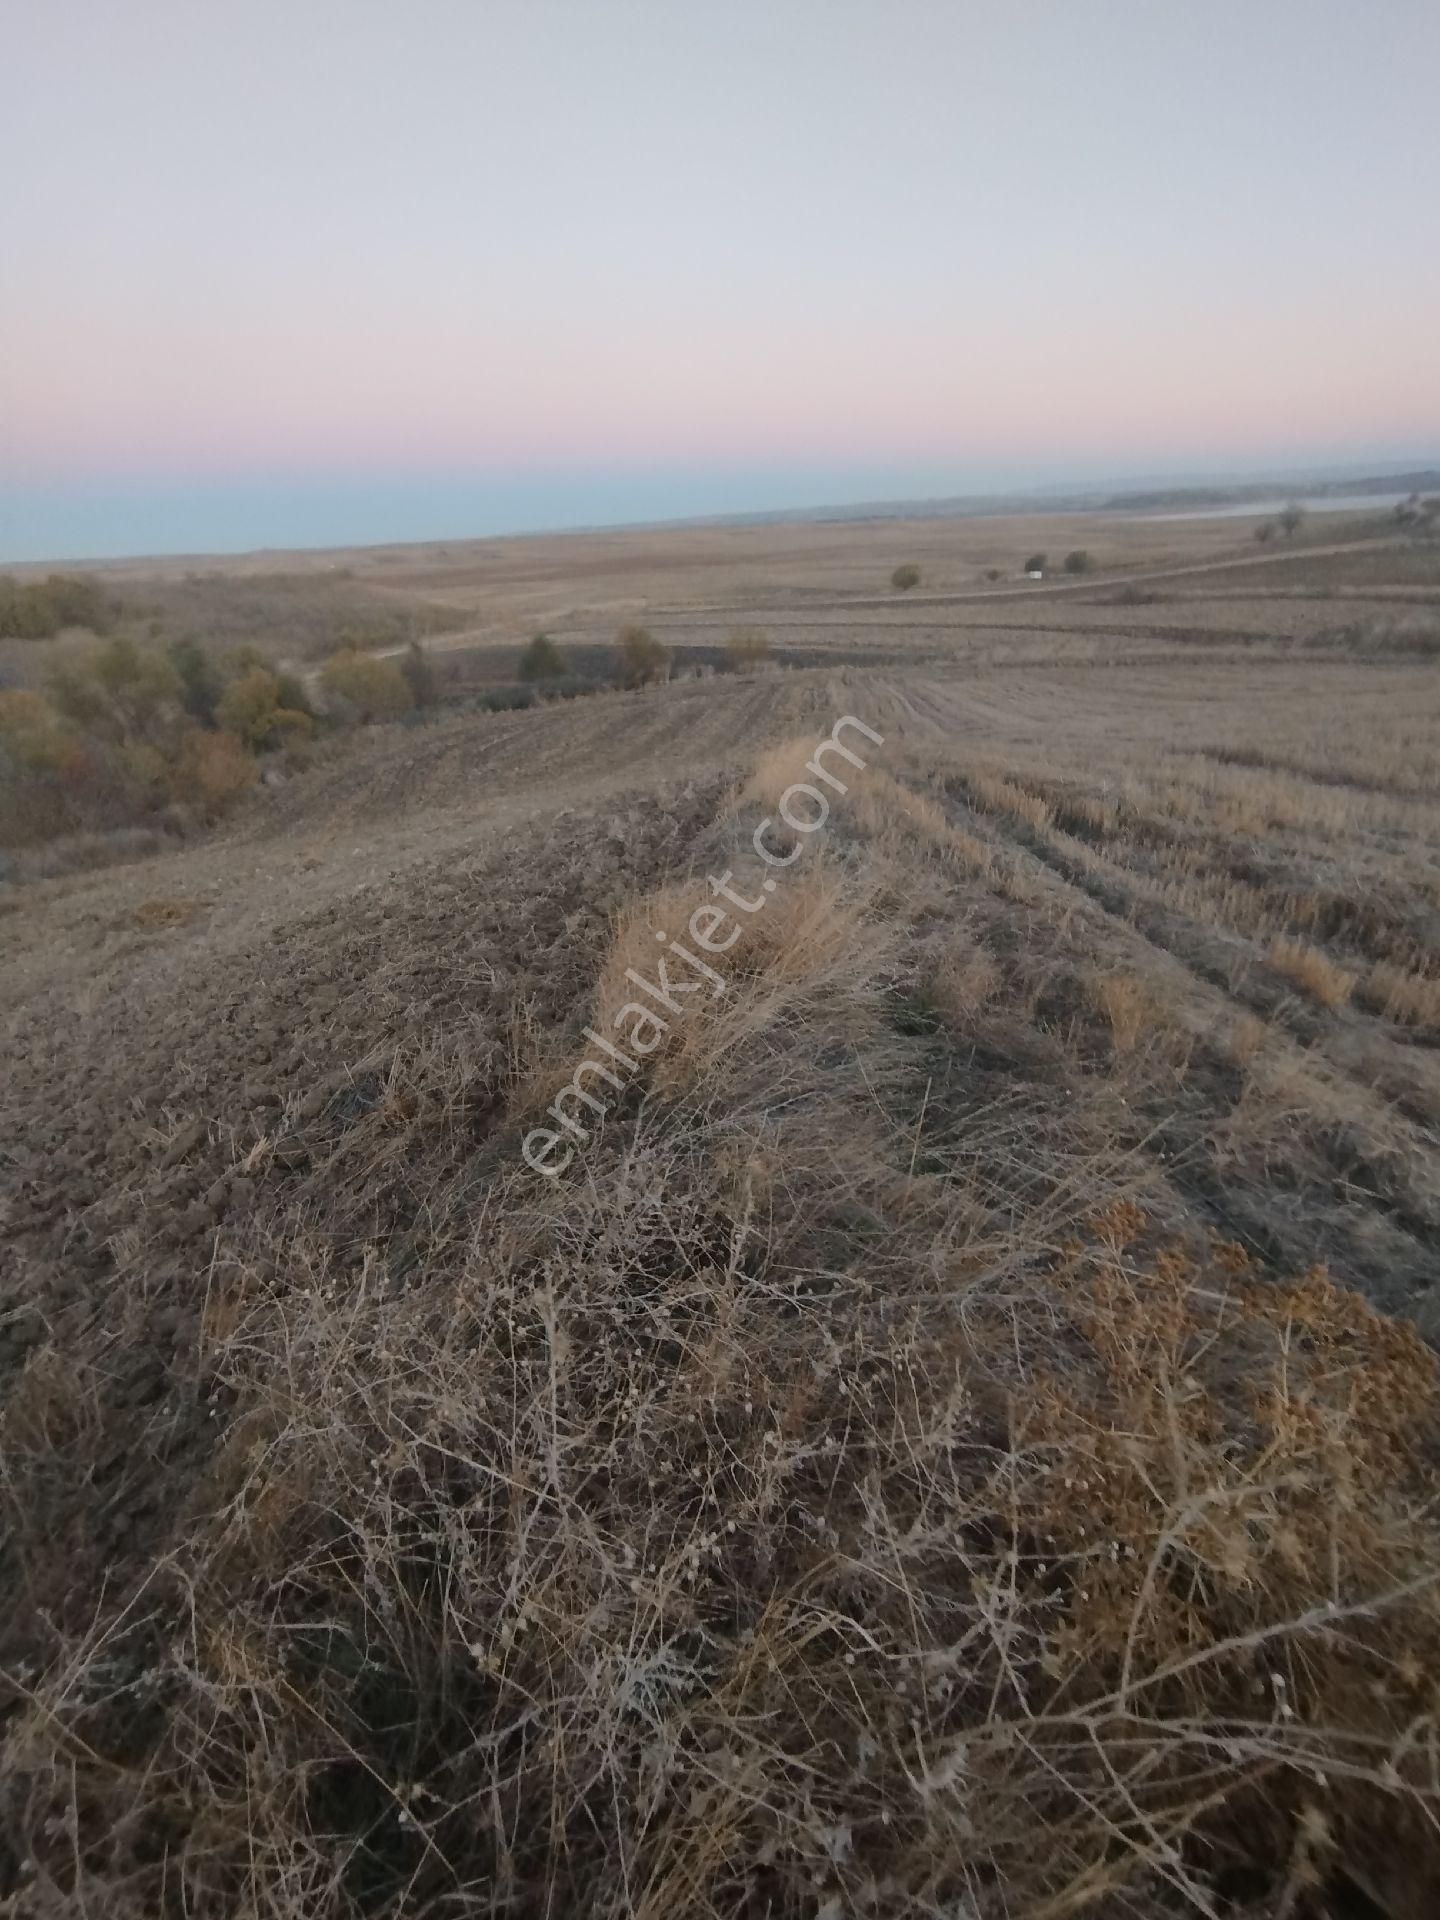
point(269, 273)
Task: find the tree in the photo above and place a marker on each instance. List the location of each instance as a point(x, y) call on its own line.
point(248, 705)
point(1265, 532)
point(1078, 561)
point(365, 687)
point(419, 672)
point(247, 655)
point(201, 682)
point(43, 607)
point(120, 692)
point(542, 660)
point(294, 694)
point(33, 737)
point(904, 578)
point(212, 771)
point(641, 658)
point(22, 616)
point(48, 777)
point(1291, 519)
point(76, 601)
point(252, 710)
point(747, 647)
point(1035, 564)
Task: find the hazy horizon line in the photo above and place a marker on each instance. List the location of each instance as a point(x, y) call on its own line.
point(1074, 489)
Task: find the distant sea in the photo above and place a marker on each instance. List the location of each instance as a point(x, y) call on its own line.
point(1313, 503)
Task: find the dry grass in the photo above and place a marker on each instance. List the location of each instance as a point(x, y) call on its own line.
point(892, 813)
point(159, 913)
point(1128, 1005)
point(1412, 999)
point(963, 983)
point(1088, 812)
point(837, 1495)
point(996, 794)
point(1311, 970)
point(823, 1597)
point(779, 766)
point(1246, 1038)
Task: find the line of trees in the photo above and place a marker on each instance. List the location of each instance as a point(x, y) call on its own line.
point(129, 732)
point(39, 609)
point(111, 741)
point(137, 731)
point(1288, 521)
point(638, 659)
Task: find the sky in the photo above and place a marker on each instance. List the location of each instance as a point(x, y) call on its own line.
point(305, 272)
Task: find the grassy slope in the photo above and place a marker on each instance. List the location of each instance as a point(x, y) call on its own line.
point(912, 1425)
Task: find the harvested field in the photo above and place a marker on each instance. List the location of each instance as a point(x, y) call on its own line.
point(974, 1382)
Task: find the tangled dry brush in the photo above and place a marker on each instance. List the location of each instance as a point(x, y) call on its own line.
point(788, 1512)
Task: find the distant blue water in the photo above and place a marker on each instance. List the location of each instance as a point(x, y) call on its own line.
point(1313, 503)
point(100, 519)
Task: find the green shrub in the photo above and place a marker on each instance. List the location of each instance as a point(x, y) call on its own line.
point(251, 709)
point(121, 692)
point(201, 682)
point(212, 771)
point(506, 699)
point(1036, 563)
point(1078, 561)
point(746, 649)
point(294, 694)
point(55, 778)
point(640, 658)
point(364, 687)
point(904, 578)
point(32, 735)
point(36, 610)
point(116, 740)
point(542, 660)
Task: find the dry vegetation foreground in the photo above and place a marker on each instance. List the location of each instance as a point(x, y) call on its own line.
point(960, 1440)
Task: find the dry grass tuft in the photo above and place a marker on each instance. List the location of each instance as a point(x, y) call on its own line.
point(1412, 999)
point(783, 765)
point(1311, 970)
point(996, 794)
point(814, 936)
point(895, 814)
point(963, 983)
point(1128, 1005)
point(159, 913)
point(1087, 813)
point(1246, 1037)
